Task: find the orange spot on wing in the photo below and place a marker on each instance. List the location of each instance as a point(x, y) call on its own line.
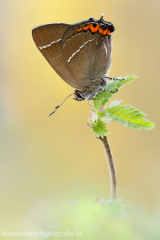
point(79, 30)
point(86, 28)
point(108, 32)
point(94, 29)
point(104, 32)
point(101, 31)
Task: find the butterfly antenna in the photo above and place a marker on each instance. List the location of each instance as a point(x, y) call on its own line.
point(55, 109)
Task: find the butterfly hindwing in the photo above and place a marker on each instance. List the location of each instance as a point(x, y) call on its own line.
point(87, 54)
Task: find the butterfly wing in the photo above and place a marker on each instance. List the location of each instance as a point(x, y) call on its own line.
point(86, 52)
point(48, 39)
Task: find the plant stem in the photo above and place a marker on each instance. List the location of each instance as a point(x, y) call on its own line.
point(112, 169)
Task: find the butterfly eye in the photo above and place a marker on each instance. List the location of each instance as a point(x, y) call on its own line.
point(78, 96)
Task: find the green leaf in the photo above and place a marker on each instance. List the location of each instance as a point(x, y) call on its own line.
point(128, 116)
point(103, 97)
point(113, 207)
point(124, 114)
point(98, 127)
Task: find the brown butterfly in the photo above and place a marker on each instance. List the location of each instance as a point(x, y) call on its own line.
point(80, 53)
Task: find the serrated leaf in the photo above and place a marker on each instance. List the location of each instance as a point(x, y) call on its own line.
point(103, 97)
point(98, 127)
point(128, 116)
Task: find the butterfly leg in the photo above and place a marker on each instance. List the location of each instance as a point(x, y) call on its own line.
point(117, 79)
point(90, 105)
point(79, 97)
point(109, 91)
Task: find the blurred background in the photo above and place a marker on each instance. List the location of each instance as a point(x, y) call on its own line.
point(44, 162)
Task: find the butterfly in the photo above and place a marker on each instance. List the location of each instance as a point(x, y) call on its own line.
point(80, 53)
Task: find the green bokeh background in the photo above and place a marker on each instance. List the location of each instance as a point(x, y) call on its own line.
point(47, 161)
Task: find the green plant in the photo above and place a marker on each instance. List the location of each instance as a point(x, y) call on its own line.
point(103, 219)
point(120, 113)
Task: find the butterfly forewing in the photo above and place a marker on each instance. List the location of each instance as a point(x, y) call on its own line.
point(48, 39)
